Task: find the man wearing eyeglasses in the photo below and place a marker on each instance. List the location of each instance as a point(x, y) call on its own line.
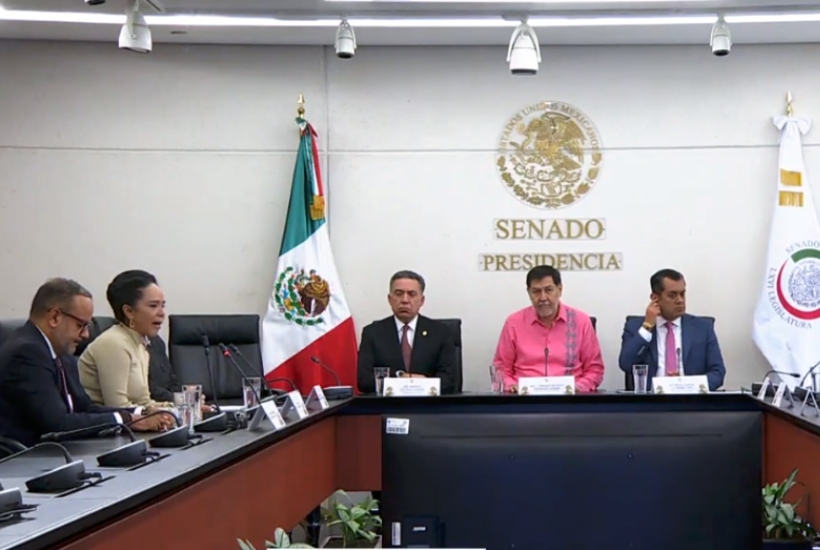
point(40, 390)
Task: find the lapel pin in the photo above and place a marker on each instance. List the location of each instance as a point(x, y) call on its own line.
point(424, 333)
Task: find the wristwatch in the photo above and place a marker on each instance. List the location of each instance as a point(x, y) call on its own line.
point(647, 326)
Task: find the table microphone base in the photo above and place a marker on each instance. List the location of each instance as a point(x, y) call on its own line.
point(337, 393)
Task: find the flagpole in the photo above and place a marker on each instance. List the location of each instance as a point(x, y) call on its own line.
point(789, 107)
point(301, 109)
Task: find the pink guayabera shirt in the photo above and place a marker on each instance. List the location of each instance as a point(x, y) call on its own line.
point(572, 342)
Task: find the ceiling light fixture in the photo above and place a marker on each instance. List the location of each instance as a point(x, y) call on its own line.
point(345, 41)
point(524, 53)
point(721, 39)
point(439, 22)
point(135, 34)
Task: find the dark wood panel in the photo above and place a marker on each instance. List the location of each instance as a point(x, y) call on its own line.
point(276, 487)
point(787, 446)
point(359, 452)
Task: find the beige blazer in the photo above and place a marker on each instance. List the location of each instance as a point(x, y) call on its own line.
point(114, 369)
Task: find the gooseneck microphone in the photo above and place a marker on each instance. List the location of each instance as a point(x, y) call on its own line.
point(226, 352)
point(130, 454)
point(337, 392)
point(176, 437)
point(79, 432)
point(247, 363)
point(546, 361)
point(770, 390)
point(811, 370)
point(206, 345)
point(680, 361)
point(67, 476)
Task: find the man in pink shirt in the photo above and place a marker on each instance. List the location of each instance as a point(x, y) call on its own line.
point(549, 338)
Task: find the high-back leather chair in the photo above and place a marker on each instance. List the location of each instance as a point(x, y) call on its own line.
point(455, 329)
point(629, 380)
point(98, 326)
point(187, 353)
point(594, 323)
point(7, 328)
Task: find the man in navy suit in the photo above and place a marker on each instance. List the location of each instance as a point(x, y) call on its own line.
point(669, 340)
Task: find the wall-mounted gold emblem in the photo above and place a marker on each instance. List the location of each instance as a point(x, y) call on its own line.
point(550, 155)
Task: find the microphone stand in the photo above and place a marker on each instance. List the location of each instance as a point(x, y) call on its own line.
point(337, 392)
point(67, 477)
point(247, 363)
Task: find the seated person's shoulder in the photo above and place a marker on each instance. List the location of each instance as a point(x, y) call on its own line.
point(705, 323)
point(581, 317)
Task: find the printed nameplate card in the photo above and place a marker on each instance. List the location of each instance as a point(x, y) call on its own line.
point(412, 387)
point(273, 414)
point(678, 385)
point(317, 399)
point(546, 385)
point(783, 390)
point(764, 387)
point(295, 403)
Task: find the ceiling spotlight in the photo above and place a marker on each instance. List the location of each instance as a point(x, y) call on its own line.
point(524, 54)
point(721, 40)
point(135, 34)
point(345, 41)
point(95, 2)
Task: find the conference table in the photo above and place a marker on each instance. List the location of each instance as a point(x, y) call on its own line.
point(244, 484)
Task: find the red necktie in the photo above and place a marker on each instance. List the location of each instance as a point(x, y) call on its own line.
point(405, 347)
point(66, 395)
point(671, 351)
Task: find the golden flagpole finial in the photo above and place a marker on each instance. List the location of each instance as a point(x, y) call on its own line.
point(301, 109)
point(789, 107)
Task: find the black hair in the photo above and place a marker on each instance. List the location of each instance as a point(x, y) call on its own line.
point(59, 293)
point(542, 272)
point(407, 274)
point(656, 280)
point(126, 289)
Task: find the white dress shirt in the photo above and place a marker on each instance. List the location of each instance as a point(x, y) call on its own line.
point(661, 329)
point(411, 329)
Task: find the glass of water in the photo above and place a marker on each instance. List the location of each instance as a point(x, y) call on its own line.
point(380, 373)
point(251, 388)
point(496, 380)
point(640, 376)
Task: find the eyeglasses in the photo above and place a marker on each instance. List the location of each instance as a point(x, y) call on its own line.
point(83, 323)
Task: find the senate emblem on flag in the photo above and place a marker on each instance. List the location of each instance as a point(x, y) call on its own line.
point(798, 284)
point(550, 155)
point(301, 297)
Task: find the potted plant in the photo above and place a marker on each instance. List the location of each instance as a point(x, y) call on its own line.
point(358, 523)
point(783, 528)
point(280, 540)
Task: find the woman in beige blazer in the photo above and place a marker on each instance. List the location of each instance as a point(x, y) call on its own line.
point(114, 367)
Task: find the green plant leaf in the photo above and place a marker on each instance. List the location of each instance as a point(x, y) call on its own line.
point(768, 499)
point(280, 538)
point(245, 545)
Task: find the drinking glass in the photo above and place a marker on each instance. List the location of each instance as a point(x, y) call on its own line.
point(640, 376)
point(251, 388)
point(496, 380)
point(193, 398)
point(380, 373)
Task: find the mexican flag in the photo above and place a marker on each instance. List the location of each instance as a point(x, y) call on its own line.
point(307, 314)
point(787, 316)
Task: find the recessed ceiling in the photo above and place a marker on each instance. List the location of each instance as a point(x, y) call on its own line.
point(331, 11)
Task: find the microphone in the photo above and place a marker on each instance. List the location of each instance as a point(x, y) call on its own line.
point(235, 350)
point(337, 392)
point(79, 432)
point(224, 349)
point(206, 345)
point(68, 476)
point(803, 380)
point(177, 437)
point(125, 456)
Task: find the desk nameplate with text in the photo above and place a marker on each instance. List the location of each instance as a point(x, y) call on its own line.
point(412, 387)
point(680, 385)
point(546, 385)
point(273, 414)
point(317, 399)
point(296, 403)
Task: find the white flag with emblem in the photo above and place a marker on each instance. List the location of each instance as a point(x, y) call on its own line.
point(787, 317)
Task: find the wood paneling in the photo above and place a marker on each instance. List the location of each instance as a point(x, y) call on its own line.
point(359, 450)
point(276, 487)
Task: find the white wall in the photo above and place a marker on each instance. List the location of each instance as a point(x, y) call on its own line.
point(180, 163)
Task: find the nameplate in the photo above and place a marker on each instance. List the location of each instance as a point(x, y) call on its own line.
point(764, 387)
point(678, 385)
point(273, 414)
point(316, 399)
point(295, 402)
point(546, 385)
point(783, 391)
point(412, 387)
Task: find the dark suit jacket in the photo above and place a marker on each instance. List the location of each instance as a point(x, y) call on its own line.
point(700, 353)
point(433, 355)
point(31, 399)
point(162, 380)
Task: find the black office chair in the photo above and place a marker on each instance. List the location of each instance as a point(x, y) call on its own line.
point(594, 323)
point(10, 446)
point(455, 328)
point(629, 381)
point(7, 328)
point(187, 353)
